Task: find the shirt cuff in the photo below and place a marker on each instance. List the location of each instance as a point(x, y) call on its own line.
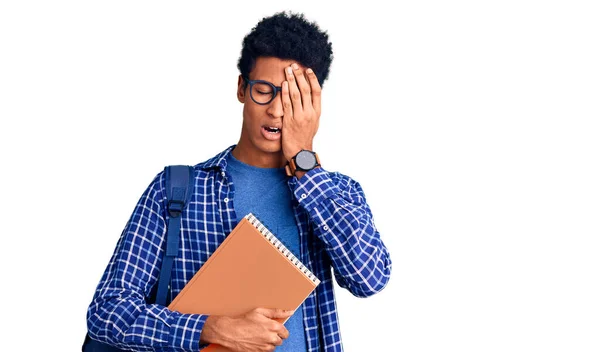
point(314, 187)
point(186, 330)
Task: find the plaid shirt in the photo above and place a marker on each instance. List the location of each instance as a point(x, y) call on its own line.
point(336, 230)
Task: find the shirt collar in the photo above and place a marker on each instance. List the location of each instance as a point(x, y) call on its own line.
point(218, 161)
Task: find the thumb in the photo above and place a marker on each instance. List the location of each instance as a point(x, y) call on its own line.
point(274, 313)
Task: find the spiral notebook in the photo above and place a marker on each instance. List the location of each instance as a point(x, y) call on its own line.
point(250, 269)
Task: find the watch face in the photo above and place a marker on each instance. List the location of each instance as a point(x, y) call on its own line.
point(305, 160)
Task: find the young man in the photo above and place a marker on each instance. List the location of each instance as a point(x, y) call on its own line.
point(322, 216)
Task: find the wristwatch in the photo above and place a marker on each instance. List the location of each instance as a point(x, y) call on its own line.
point(305, 160)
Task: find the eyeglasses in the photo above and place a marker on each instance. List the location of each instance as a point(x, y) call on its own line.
point(262, 92)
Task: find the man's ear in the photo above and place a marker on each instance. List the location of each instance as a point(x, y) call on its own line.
point(241, 91)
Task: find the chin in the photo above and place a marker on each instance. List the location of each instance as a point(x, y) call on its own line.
point(272, 148)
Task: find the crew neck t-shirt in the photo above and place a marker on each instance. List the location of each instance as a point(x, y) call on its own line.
point(264, 192)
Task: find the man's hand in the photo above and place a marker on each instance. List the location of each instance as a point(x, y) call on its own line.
point(301, 99)
point(255, 331)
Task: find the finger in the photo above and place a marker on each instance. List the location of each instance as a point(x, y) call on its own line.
point(274, 313)
point(283, 332)
point(293, 88)
point(303, 86)
point(288, 109)
point(268, 348)
point(276, 340)
point(315, 89)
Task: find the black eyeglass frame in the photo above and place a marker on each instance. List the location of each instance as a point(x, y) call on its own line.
point(253, 82)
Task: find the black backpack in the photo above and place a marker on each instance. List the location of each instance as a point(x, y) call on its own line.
point(179, 185)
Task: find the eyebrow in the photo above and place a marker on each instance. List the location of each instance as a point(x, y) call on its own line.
point(264, 80)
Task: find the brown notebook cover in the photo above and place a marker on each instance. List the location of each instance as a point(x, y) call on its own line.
point(250, 269)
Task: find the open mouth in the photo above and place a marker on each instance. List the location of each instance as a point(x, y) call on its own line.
point(272, 129)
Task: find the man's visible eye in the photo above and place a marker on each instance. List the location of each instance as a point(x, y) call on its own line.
point(264, 93)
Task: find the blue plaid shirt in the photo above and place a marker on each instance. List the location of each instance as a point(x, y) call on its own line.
point(336, 231)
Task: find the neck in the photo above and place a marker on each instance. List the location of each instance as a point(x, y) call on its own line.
point(264, 160)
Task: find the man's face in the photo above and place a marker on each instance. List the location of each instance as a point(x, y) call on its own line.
point(256, 139)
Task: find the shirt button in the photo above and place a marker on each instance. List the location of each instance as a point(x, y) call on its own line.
point(226, 200)
point(325, 227)
point(223, 173)
point(303, 196)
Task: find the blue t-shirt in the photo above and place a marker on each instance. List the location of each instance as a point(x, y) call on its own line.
point(264, 192)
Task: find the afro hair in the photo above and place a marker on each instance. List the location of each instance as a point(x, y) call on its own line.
point(288, 37)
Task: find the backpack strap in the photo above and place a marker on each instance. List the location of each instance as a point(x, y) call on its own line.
point(179, 185)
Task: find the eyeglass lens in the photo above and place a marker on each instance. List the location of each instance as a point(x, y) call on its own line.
point(262, 93)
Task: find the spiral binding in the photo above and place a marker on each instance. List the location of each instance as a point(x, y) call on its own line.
point(281, 247)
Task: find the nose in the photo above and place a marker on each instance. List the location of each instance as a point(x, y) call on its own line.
point(275, 108)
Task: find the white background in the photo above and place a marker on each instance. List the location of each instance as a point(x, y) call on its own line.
point(471, 125)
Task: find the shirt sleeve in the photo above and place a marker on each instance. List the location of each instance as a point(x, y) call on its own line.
point(342, 219)
point(118, 313)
